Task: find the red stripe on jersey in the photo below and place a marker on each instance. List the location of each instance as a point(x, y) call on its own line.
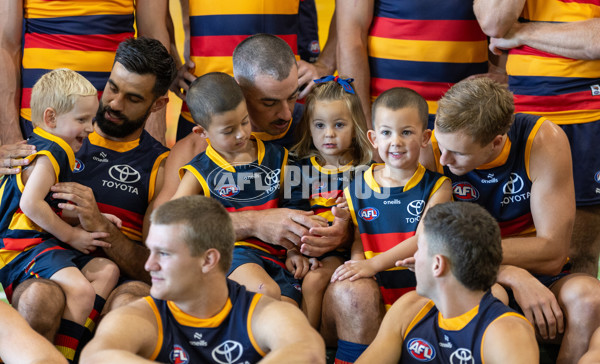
point(20, 244)
point(130, 219)
point(223, 45)
point(515, 226)
point(565, 102)
point(453, 30)
point(528, 51)
point(379, 243)
point(267, 205)
point(94, 42)
point(593, 2)
point(390, 295)
point(431, 91)
point(25, 98)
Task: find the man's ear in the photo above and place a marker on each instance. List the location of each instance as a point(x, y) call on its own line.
point(159, 103)
point(497, 141)
point(440, 265)
point(49, 118)
point(210, 260)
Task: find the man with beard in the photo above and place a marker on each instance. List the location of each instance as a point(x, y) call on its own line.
point(120, 166)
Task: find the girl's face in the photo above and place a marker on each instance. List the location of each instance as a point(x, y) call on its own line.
point(332, 130)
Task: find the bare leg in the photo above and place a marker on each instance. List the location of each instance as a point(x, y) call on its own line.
point(313, 288)
point(585, 241)
point(41, 302)
point(102, 274)
point(256, 279)
point(126, 293)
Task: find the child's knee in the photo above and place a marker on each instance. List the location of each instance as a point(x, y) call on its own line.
point(80, 296)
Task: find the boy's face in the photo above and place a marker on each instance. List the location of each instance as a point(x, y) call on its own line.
point(74, 126)
point(271, 102)
point(230, 131)
point(398, 137)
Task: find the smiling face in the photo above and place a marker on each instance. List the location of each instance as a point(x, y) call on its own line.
point(398, 137)
point(174, 271)
point(271, 102)
point(332, 130)
point(74, 126)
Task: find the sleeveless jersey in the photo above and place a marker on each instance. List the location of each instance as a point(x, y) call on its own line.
point(434, 339)
point(216, 28)
point(122, 176)
point(565, 90)
point(503, 186)
point(17, 231)
point(240, 187)
point(386, 217)
point(323, 185)
point(82, 35)
point(224, 338)
point(424, 45)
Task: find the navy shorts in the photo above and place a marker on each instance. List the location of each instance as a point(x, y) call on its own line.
point(273, 265)
point(41, 261)
point(586, 161)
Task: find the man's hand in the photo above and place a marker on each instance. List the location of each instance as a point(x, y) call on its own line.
point(321, 240)
point(307, 72)
point(11, 157)
point(82, 203)
point(184, 78)
point(509, 41)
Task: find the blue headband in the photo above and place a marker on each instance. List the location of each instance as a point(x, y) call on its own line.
point(344, 82)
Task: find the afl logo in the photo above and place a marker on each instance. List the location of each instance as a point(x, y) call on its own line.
point(421, 349)
point(465, 191)
point(514, 185)
point(368, 213)
point(124, 173)
point(78, 166)
point(597, 177)
point(179, 355)
point(229, 191)
point(228, 352)
point(416, 207)
point(314, 47)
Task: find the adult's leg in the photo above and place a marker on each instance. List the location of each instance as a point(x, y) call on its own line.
point(125, 293)
point(585, 241)
point(42, 303)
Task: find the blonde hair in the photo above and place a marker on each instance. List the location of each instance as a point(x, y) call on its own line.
point(480, 107)
point(333, 91)
point(59, 90)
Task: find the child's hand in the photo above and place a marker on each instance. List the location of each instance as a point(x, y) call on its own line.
point(114, 219)
point(86, 242)
point(407, 263)
point(341, 203)
point(354, 269)
point(297, 264)
point(314, 263)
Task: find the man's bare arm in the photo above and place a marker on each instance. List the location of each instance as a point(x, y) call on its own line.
point(496, 17)
point(510, 339)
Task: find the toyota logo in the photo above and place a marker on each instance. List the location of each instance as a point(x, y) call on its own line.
point(228, 352)
point(416, 207)
point(462, 356)
point(124, 173)
point(514, 185)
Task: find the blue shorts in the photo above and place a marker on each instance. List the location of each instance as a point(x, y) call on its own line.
point(41, 261)
point(273, 265)
point(586, 161)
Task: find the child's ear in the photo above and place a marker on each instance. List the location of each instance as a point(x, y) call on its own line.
point(200, 131)
point(371, 136)
point(49, 118)
point(426, 137)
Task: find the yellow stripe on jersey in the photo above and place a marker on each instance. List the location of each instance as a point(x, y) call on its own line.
point(507, 314)
point(6, 256)
point(415, 179)
point(559, 11)
point(458, 322)
point(253, 304)
point(436, 153)
point(570, 116)
point(199, 177)
point(120, 147)
point(432, 106)
point(428, 306)
point(132, 234)
point(64, 145)
point(237, 7)
point(500, 159)
point(188, 320)
point(428, 50)
point(154, 173)
point(371, 254)
point(21, 222)
point(529, 143)
point(159, 342)
point(438, 184)
point(81, 61)
point(529, 65)
point(212, 64)
point(370, 178)
point(70, 8)
point(350, 205)
point(219, 161)
point(245, 243)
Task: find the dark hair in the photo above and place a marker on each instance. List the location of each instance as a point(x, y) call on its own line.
point(262, 54)
point(469, 237)
point(398, 98)
point(148, 56)
point(205, 224)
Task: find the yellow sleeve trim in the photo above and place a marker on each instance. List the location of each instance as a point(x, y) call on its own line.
point(253, 304)
point(159, 342)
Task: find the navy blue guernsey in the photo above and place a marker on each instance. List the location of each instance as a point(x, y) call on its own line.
point(433, 339)
point(503, 186)
point(17, 231)
point(386, 216)
point(224, 338)
point(122, 176)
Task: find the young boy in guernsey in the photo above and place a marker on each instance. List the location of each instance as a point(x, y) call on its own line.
point(36, 240)
point(389, 199)
point(243, 173)
point(333, 141)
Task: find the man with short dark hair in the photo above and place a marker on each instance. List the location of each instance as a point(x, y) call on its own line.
point(458, 257)
point(195, 313)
